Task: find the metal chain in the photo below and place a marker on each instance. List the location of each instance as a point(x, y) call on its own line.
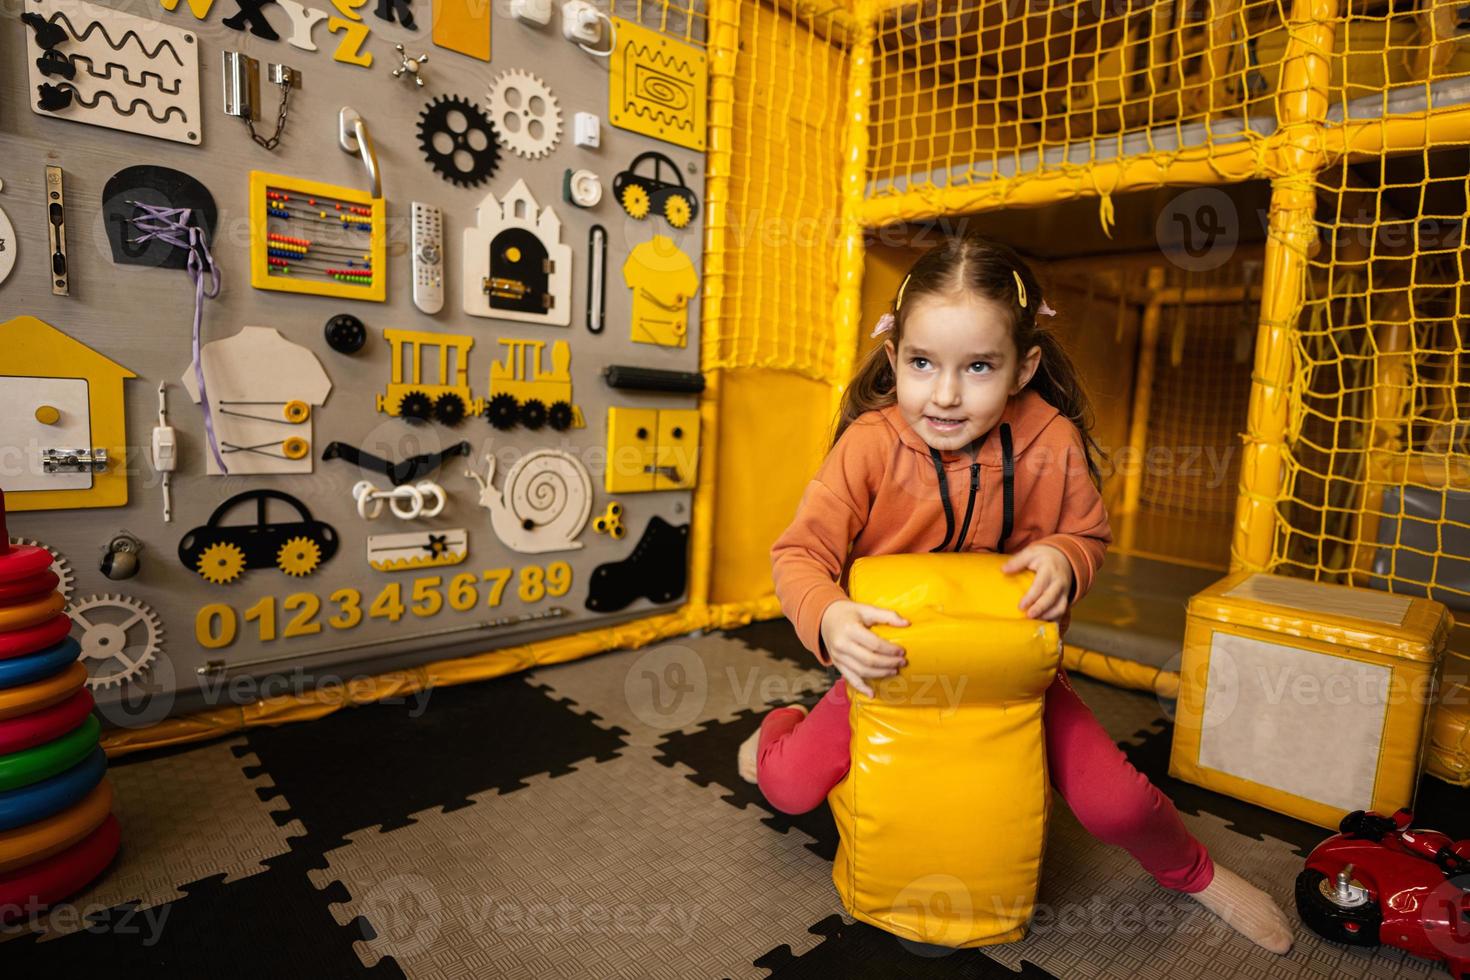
point(270, 144)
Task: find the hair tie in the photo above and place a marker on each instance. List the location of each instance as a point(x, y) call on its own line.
point(1045, 310)
point(885, 324)
point(1020, 289)
point(902, 286)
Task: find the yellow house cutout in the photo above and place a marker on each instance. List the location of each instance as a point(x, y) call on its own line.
point(58, 393)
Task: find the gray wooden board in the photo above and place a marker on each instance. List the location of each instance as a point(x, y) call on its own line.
point(141, 318)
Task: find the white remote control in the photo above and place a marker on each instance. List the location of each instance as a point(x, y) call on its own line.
point(428, 258)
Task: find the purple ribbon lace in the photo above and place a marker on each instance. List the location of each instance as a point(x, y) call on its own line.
point(171, 226)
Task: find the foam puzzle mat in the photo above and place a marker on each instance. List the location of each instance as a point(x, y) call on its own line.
point(587, 820)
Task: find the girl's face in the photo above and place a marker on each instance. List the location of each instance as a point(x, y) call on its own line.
point(956, 366)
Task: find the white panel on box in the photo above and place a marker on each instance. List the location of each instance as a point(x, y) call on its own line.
point(136, 74)
point(1302, 722)
point(1323, 598)
point(23, 435)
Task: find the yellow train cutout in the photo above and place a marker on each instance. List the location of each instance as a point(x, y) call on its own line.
point(521, 392)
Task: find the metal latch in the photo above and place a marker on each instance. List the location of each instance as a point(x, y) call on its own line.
point(74, 460)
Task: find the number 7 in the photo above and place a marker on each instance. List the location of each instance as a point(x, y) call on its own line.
point(499, 576)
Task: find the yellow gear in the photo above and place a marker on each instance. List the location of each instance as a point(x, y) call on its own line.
point(295, 448)
point(297, 412)
point(221, 562)
point(299, 556)
point(635, 201)
point(677, 212)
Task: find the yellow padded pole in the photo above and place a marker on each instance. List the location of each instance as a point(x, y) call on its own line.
point(1143, 387)
point(848, 302)
point(1296, 157)
point(723, 48)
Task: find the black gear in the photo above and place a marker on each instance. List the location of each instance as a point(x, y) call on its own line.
point(415, 406)
point(503, 411)
point(533, 414)
point(435, 126)
point(449, 409)
point(560, 416)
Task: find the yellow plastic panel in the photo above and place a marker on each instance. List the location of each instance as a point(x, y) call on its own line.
point(942, 816)
point(631, 435)
point(35, 350)
point(463, 26)
point(753, 504)
point(677, 448)
point(658, 86)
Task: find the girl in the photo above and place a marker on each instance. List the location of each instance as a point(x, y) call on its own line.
point(968, 392)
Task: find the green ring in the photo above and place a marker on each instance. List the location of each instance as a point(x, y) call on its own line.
point(44, 761)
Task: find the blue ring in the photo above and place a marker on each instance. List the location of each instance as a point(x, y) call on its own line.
point(16, 671)
point(50, 796)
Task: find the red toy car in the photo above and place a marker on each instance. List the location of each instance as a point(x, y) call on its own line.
point(1379, 881)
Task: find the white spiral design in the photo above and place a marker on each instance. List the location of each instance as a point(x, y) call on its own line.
point(544, 503)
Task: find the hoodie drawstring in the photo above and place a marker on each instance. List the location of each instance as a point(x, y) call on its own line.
point(1009, 493)
point(944, 499)
point(1008, 463)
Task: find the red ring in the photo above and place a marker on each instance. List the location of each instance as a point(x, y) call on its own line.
point(46, 725)
point(23, 561)
point(33, 639)
point(60, 876)
point(29, 587)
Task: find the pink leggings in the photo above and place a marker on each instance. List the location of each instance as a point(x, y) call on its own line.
point(800, 760)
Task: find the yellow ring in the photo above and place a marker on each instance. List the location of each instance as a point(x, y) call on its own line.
point(297, 412)
point(295, 448)
point(31, 613)
point(17, 701)
point(38, 841)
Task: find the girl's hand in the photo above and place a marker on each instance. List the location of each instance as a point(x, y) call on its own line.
point(856, 651)
point(1047, 597)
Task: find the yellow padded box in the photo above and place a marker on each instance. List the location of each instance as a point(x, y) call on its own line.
point(1307, 698)
point(942, 816)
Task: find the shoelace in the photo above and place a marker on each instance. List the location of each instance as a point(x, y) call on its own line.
point(171, 225)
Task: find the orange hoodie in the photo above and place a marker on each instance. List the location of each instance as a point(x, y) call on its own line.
point(878, 493)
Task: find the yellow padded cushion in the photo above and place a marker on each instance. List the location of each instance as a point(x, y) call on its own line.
point(943, 814)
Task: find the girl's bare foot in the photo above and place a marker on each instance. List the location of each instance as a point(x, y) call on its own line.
point(750, 748)
point(1247, 910)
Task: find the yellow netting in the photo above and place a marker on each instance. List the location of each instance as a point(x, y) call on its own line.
point(775, 245)
point(982, 95)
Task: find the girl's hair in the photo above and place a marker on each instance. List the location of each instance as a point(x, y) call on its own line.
point(982, 267)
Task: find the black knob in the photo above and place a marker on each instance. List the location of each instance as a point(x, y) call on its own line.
point(345, 333)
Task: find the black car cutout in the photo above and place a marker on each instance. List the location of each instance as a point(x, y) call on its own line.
point(641, 194)
point(220, 552)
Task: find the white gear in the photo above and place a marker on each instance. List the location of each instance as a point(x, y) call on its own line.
point(59, 565)
point(526, 115)
point(118, 632)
